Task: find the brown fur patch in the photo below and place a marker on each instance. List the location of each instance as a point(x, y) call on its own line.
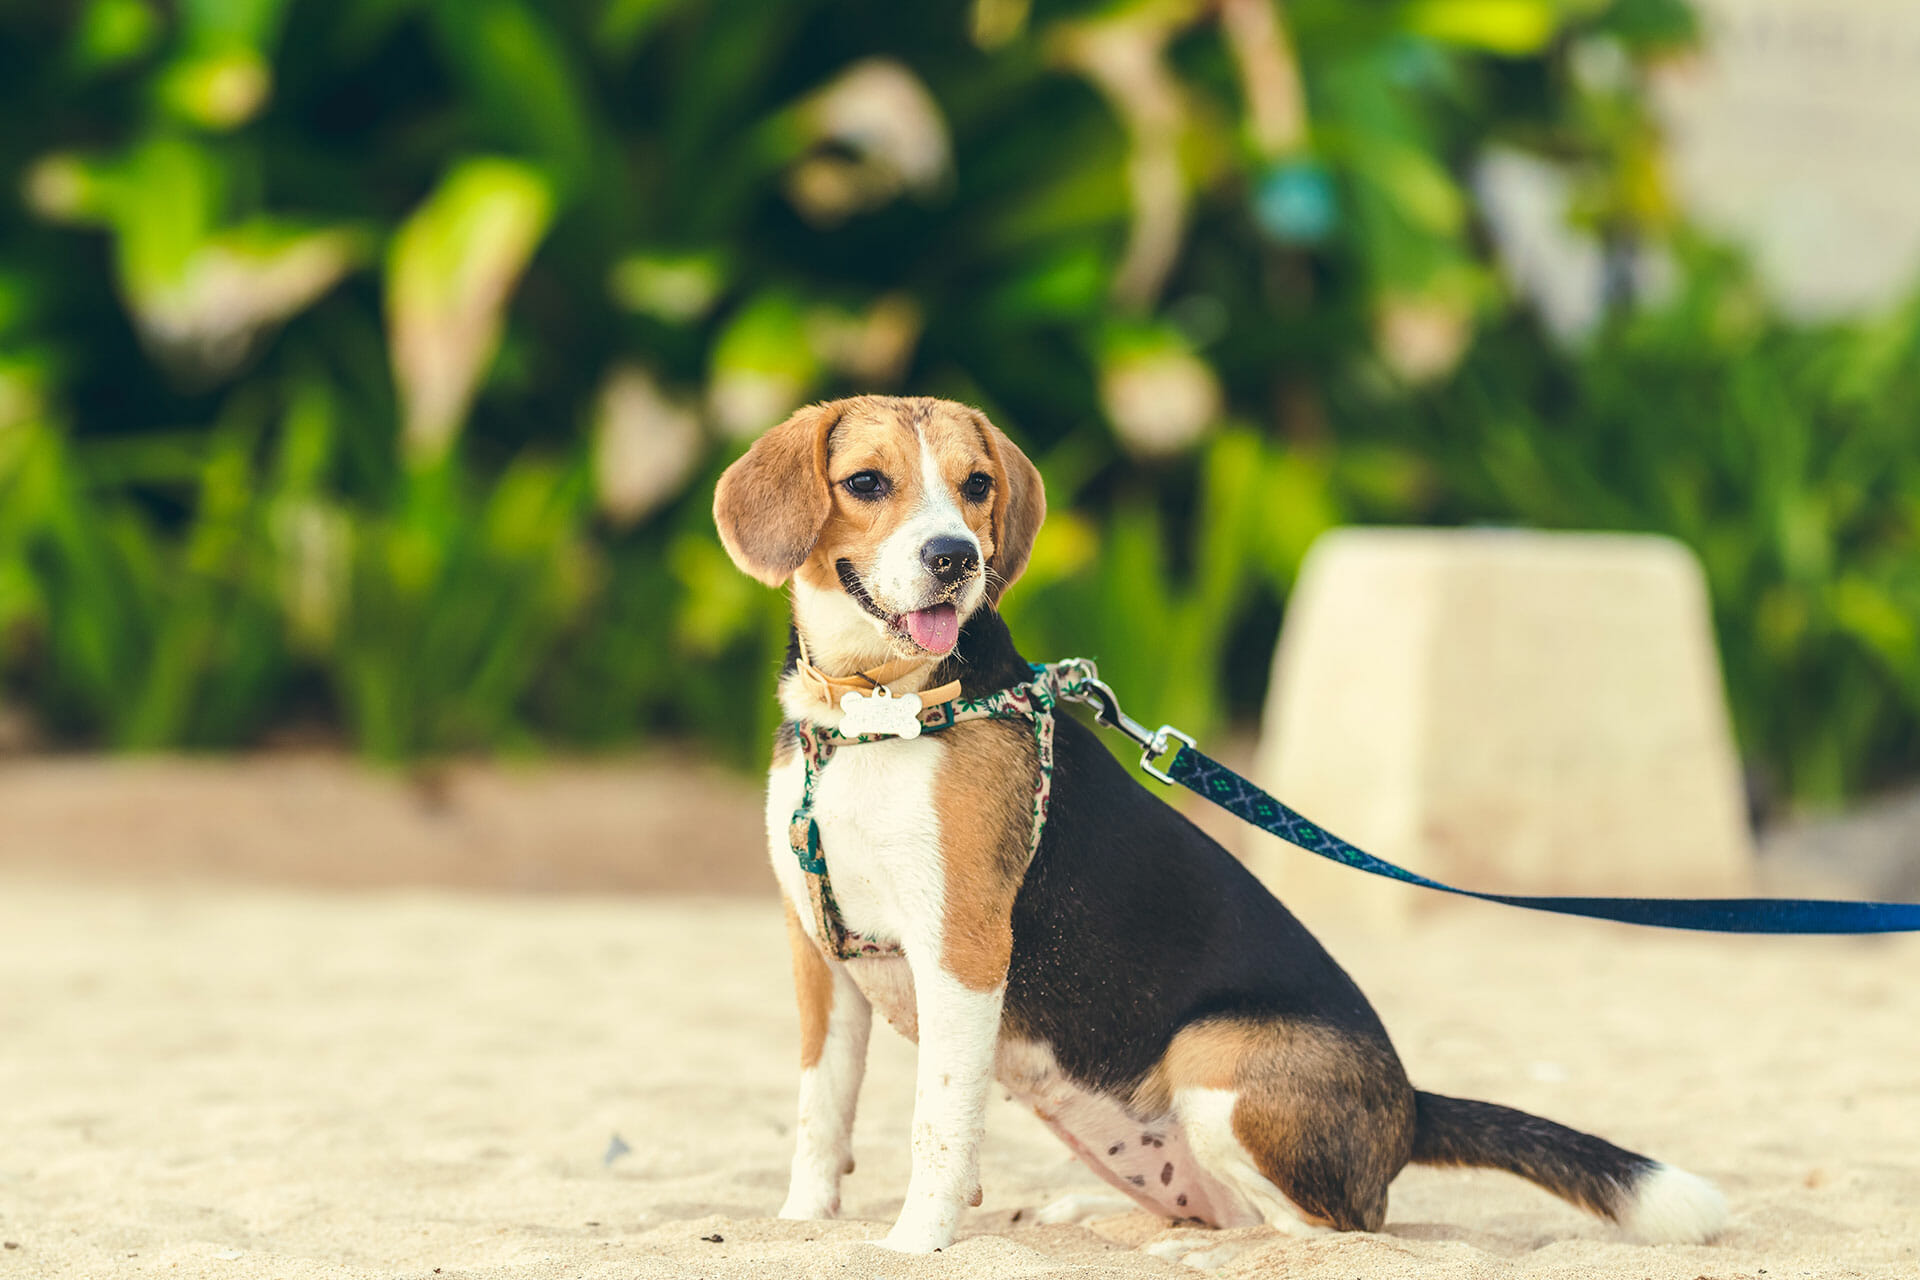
point(1019, 507)
point(771, 504)
point(984, 797)
point(867, 438)
point(812, 988)
point(1328, 1118)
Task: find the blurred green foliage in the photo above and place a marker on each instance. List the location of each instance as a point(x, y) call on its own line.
point(1785, 457)
point(368, 363)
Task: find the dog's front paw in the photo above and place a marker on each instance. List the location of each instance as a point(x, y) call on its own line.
point(916, 1241)
point(920, 1232)
point(810, 1204)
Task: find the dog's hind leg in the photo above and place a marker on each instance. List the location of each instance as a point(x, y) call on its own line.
point(1303, 1126)
point(834, 1021)
point(1254, 1194)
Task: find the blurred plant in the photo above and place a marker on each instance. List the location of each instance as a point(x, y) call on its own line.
point(458, 601)
point(201, 287)
point(145, 640)
point(1159, 624)
point(644, 445)
point(451, 267)
point(372, 360)
point(1784, 457)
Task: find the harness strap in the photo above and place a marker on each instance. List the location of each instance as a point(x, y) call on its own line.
point(1033, 701)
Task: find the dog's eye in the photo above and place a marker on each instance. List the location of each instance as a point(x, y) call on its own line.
point(977, 487)
point(866, 484)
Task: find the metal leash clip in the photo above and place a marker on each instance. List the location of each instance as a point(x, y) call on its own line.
point(1153, 743)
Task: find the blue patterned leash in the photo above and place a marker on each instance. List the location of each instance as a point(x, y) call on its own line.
point(1207, 777)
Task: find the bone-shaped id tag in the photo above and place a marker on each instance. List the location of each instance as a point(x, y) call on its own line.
point(880, 712)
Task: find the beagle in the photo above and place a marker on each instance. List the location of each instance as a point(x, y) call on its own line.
point(1163, 1014)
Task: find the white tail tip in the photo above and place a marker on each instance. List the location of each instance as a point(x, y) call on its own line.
point(1671, 1206)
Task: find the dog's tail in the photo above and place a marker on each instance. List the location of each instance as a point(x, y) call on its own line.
point(1654, 1202)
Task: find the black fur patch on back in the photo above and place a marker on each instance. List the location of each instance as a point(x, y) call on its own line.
point(1132, 922)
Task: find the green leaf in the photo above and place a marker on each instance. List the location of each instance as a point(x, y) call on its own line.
point(624, 24)
point(763, 364)
point(450, 271)
point(676, 287)
point(111, 33)
point(1869, 613)
point(210, 23)
point(1510, 27)
point(522, 88)
point(219, 89)
point(1418, 186)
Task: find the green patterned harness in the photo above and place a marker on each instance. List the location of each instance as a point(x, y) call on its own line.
point(1033, 701)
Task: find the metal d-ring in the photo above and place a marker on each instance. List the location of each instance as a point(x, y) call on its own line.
point(1153, 743)
point(1153, 750)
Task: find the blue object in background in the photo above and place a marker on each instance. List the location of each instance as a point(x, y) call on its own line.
point(1293, 202)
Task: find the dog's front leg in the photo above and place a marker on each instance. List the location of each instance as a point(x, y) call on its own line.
point(959, 1025)
point(834, 1021)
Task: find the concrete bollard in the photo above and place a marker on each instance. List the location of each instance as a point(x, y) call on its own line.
point(1509, 711)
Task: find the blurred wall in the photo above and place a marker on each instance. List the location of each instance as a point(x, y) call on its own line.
point(1793, 131)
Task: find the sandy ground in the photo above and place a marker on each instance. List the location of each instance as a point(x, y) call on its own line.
point(256, 1082)
point(648, 823)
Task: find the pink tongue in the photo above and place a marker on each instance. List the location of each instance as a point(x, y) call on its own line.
point(936, 630)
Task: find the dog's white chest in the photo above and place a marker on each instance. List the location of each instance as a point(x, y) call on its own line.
point(874, 807)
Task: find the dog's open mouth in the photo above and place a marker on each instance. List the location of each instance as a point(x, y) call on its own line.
point(934, 629)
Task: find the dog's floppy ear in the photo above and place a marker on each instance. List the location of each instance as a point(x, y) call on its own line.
point(771, 504)
point(1019, 505)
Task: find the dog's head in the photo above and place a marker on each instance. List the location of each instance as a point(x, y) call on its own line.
point(910, 512)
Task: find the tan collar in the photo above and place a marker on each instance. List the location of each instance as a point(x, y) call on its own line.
point(831, 689)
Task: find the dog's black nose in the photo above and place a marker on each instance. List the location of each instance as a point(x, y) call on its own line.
point(950, 559)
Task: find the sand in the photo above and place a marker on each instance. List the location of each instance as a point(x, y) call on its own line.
point(233, 1081)
point(617, 823)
